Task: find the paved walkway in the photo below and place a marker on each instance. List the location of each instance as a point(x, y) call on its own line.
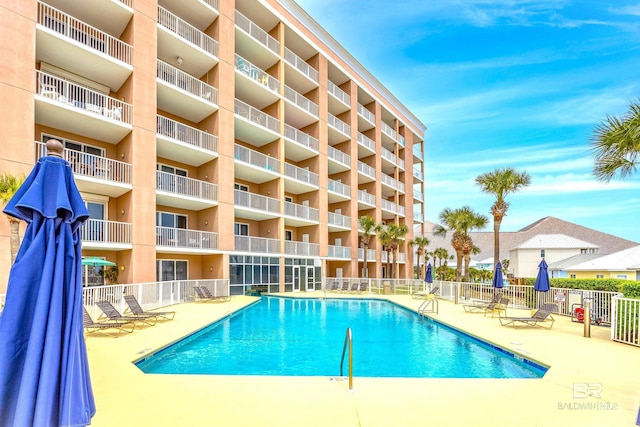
point(127, 397)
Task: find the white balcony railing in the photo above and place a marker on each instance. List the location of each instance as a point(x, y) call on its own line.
point(300, 174)
point(301, 248)
point(184, 186)
point(301, 137)
point(334, 90)
point(301, 211)
point(256, 116)
point(187, 134)
point(392, 182)
point(417, 151)
point(371, 255)
point(418, 174)
point(388, 130)
point(186, 239)
point(367, 170)
point(339, 220)
point(257, 244)
point(301, 101)
point(300, 65)
point(186, 82)
point(388, 155)
point(338, 187)
point(92, 166)
point(256, 201)
point(257, 33)
point(187, 31)
point(75, 95)
point(338, 124)
point(367, 198)
point(339, 156)
point(338, 252)
point(367, 142)
point(256, 74)
point(368, 115)
point(85, 34)
point(256, 158)
point(102, 231)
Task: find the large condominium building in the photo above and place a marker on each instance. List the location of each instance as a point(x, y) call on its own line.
point(210, 139)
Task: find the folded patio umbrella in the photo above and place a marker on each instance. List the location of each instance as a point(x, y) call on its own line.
point(43, 358)
point(428, 276)
point(542, 280)
point(498, 281)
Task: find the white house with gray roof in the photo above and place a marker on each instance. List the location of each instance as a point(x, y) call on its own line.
point(619, 265)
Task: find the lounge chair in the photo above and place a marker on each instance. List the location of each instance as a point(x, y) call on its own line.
point(478, 305)
point(345, 287)
point(541, 316)
point(136, 310)
point(92, 326)
point(112, 313)
point(364, 287)
point(204, 294)
point(497, 307)
point(427, 294)
point(354, 287)
point(334, 287)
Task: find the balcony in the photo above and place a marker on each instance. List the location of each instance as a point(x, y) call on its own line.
point(365, 173)
point(299, 145)
point(178, 38)
point(371, 255)
point(255, 206)
point(389, 207)
point(184, 144)
point(418, 217)
point(181, 240)
point(366, 119)
point(339, 101)
point(418, 156)
point(119, 12)
point(339, 131)
point(183, 95)
point(76, 46)
point(418, 175)
point(390, 159)
point(254, 166)
point(299, 110)
point(366, 146)
point(337, 191)
point(300, 215)
point(391, 183)
point(299, 180)
point(257, 245)
point(418, 196)
point(255, 43)
point(338, 161)
point(338, 222)
point(95, 174)
point(181, 192)
point(301, 248)
point(366, 200)
point(391, 134)
point(300, 74)
point(66, 105)
point(254, 126)
point(340, 252)
point(199, 13)
point(105, 235)
point(254, 85)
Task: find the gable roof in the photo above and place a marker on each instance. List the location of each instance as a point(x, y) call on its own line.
point(555, 241)
point(627, 259)
point(567, 263)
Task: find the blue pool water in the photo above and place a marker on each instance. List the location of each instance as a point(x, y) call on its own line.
point(305, 337)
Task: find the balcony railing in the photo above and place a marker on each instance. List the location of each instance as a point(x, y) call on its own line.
point(367, 142)
point(256, 201)
point(187, 31)
point(301, 174)
point(338, 252)
point(256, 158)
point(418, 217)
point(339, 156)
point(338, 124)
point(388, 130)
point(187, 134)
point(417, 152)
point(338, 187)
point(184, 186)
point(186, 82)
point(417, 195)
point(92, 166)
point(367, 198)
point(339, 220)
point(368, 115)
point(256, 74)
point(72, 94)
point(82, 33)
point(388, 155)
point(256, 116)
point(301, 248)
point(366, 170)
point(301, 137)
point(257, 33)
point(300, 65)
point(418, 174)
point(102, 231)
point(257, 244)
point(371, 255)
point(212, 3)
point(301, 101)
point(301, 211)
point(392, 182)
point(186, 239)
point(388, 205)
point(334, 90)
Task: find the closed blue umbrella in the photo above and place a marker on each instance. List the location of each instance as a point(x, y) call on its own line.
point(43, 358)
point(428, 276)
point(542, 280)
point(498, 281)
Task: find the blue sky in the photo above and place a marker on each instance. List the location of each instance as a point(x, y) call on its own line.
point(506, 83)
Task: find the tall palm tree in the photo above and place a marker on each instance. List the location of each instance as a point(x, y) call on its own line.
point(397, 233)
point(368, 226)
point(441, 255)
point(500, 183)
point(384, 237)
point(616, 145)
point(9, 185)
point(460, 221)
point(420, 242)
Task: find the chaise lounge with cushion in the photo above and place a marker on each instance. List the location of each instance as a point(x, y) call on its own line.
point(539, 318)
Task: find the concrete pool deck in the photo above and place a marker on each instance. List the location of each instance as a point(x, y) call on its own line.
point(127, 397)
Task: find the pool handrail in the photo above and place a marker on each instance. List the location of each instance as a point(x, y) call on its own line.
point(348, 339)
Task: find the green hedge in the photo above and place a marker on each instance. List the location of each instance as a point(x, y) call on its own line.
point(629, 288)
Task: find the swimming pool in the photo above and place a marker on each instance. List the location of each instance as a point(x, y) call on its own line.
point(305, 337)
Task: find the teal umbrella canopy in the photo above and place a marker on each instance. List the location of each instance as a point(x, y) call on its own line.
point(97, 262)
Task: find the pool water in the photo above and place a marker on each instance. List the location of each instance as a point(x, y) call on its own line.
point(305, 337)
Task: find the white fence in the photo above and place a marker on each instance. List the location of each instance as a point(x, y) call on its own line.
point(625, 325)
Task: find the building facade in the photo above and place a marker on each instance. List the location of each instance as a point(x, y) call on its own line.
point(210, 138)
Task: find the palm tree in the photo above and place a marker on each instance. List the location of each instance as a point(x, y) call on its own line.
point(9, 185)
point(460, 221)
point(385, 240)
point(420, 242)
point(368, 226)
point(616, 145)
point(397, 233)
point(440, 255)
point(500, 183)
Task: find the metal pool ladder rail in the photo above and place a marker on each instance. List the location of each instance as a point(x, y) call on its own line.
point(348, 339)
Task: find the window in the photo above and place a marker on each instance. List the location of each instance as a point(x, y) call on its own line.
point(241, 187)
point(541, 253)
point(288, 235)
point(171, 220)
point(621, 276)
point(240, 229)
point(573, 276)
point(167, 270)
point(599, 276)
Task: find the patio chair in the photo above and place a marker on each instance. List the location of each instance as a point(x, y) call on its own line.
point(137, 310)
point(478, 305)
point(112, 313)
point(334, 287)
point(498, 307)
point(427, 294)
point(204, 294)
point(354, 287)
point(345, 287)
point(541, 316)
point(364, 287)
point(91, 326)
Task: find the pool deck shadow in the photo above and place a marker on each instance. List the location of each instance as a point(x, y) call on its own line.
point(127, 397)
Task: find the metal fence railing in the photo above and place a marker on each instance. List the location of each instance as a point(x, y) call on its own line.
point(625, 325)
